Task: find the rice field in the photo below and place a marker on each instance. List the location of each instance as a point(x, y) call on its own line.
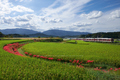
point(101, 53)
point(14, 67)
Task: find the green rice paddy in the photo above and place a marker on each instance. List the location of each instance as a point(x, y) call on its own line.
point(101, 53)
point(13, 67)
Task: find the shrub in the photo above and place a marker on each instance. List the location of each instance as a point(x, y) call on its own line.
point(52, 40)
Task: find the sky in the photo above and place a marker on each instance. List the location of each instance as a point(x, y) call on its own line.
point(70, 15)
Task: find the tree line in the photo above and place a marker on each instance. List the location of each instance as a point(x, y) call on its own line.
point(1, 35)
point(94, 35)
point(102, 35)
point(12, 35)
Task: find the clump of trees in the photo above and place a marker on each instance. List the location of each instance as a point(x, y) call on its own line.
point(1, 35)
point(12, 35)
point(16, 35)
point(52, 40)
point(102, 35)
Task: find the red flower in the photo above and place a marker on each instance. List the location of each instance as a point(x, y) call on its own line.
point(37, 56)
point(96, 68)
point(74, 61)
point(34, 55)
point(111, 68)
point(104, 71)
point(89, 61)
point(115, 69)
point(26, 52)
point(45, 57)
point(50, 58)
point(81, 61)
point(41, 56)
point(12, 48)
point(30, 54)
point(77, 61)
point(70, 60)
point(58, 59)
point(80, 66)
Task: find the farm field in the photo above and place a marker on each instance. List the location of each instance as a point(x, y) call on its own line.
point(101, 53)
point(27, 38)
point(29, 68)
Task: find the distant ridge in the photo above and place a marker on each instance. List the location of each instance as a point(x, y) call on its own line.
point(63, 33)
point(18, 31)
point(39, 35)
point(47, 33)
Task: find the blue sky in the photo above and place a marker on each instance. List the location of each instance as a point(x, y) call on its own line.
point(70, 15)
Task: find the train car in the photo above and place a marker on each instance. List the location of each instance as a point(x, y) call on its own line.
point(95, 39)
point(99, 39)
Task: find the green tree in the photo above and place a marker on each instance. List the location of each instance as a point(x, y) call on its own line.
point(11, 36)
point(38, 36)
point(6, 36)
point(1, 35)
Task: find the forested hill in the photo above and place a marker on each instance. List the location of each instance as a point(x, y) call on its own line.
point(102, 35)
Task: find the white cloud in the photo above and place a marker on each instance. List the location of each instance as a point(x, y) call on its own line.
point(24, 25)
point(92, 22)
point(66, 9)
point(19, 8)
point(6, 8)
point(82, 24)
point(101, 24)
point(115, 14)
point(92, 15)
point(54, 21)
point(7, 20)
point(24, 18)
point(112, 5)
point(106, 23)
point(28, 21)
point(62, 14)
point(23, 0)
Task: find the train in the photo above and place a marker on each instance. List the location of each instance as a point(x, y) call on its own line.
point(111, 40)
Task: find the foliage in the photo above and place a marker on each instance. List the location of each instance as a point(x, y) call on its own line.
point(16, 35)
point(38, 36)
point(103, 35)
point(71, 41)
point(1, 35)
point(52, 40)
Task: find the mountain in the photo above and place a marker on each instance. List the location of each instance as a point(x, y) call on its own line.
point(38, 35)
point(48, 33)
point(63, 33)
point(18, 31)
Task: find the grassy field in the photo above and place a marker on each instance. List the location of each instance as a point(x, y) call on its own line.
point(101, 53)
point(15, 67)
